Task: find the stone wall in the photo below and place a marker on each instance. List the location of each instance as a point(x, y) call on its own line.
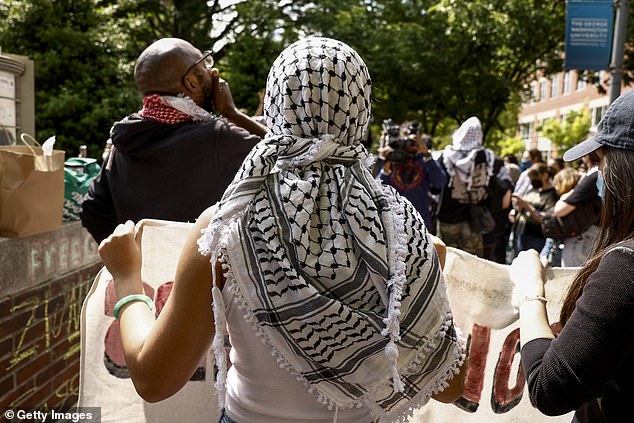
point(43, 282)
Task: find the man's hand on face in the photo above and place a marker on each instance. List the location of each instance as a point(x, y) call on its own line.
point(223, 100)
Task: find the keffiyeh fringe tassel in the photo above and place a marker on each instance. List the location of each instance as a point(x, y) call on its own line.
point(402, 415)
point(395, 284)
point(438, 385)
point(217, 236)
point(218, 345)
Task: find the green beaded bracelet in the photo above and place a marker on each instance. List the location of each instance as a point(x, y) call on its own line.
point(130, 298)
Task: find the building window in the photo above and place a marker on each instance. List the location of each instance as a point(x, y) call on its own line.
point(554, 86)
point(533, 92)
point(526, 131)
point(597, 114)
point(543, 90)
point(581, 83)
point(567, 83)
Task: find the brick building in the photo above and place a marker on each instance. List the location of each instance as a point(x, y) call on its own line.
point(556, 96)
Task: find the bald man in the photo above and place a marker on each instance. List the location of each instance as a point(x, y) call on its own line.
point(173, 158)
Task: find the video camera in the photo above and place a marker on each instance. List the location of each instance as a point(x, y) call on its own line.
point(391, 136)
point(414, 128)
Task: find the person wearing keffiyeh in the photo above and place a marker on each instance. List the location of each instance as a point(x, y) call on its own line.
point(470, 168)
point(328, 281)
point(174, 158)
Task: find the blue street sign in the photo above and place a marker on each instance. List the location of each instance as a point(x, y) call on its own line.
point(589, 27)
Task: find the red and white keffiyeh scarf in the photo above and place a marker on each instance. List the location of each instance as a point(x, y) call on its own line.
point(172, 109)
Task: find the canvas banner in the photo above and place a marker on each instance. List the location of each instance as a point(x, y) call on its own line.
point(104, 381)
point(485, 306)
point(483, 300)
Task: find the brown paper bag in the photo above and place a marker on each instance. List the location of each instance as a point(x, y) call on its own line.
point(31, 190)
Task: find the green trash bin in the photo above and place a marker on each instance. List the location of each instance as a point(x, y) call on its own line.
point(78, 174)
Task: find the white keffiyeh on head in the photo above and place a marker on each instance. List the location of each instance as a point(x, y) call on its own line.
point(459, 157)
point(336, 272)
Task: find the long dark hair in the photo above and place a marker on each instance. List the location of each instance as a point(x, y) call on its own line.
point(617, 219)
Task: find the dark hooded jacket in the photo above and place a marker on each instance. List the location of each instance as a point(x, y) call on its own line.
point(163, 171)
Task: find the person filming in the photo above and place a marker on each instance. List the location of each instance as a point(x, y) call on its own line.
point(409, 167)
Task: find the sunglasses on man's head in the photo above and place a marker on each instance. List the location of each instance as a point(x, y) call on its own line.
point(207, 58)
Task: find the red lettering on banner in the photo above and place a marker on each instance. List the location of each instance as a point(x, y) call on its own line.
point(114, 358)
point(111, 297)
point(503, 397)
point(162, 293)
point(478, 349)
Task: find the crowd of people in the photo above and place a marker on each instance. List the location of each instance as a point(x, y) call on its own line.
point(442, 185)
point(327, 271)
point(445, 186)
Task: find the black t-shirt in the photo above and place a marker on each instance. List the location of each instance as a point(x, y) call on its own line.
point(585, 191)
point(585, 197)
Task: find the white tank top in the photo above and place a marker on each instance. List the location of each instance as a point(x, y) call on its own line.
point(259, 391)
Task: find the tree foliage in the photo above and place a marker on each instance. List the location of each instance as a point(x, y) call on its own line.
point(84, 53)
point(511, 145)
point(80, 71)
point(438, 62)
point(434, 61)
point(569, 132)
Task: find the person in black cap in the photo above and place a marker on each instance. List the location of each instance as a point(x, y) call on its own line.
point(588, 368)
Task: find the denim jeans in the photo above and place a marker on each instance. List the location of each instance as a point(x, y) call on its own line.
point(528, 242)
point(577, 249)
point(552, 252)
point(224, 418)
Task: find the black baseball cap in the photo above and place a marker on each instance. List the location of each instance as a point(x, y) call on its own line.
point(616, 129)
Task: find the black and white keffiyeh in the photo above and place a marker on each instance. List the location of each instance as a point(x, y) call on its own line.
point(335, 271)
point(459, 157)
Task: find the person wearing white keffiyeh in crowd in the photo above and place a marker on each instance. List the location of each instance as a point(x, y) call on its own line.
point(328, 282)
point(470, 168)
